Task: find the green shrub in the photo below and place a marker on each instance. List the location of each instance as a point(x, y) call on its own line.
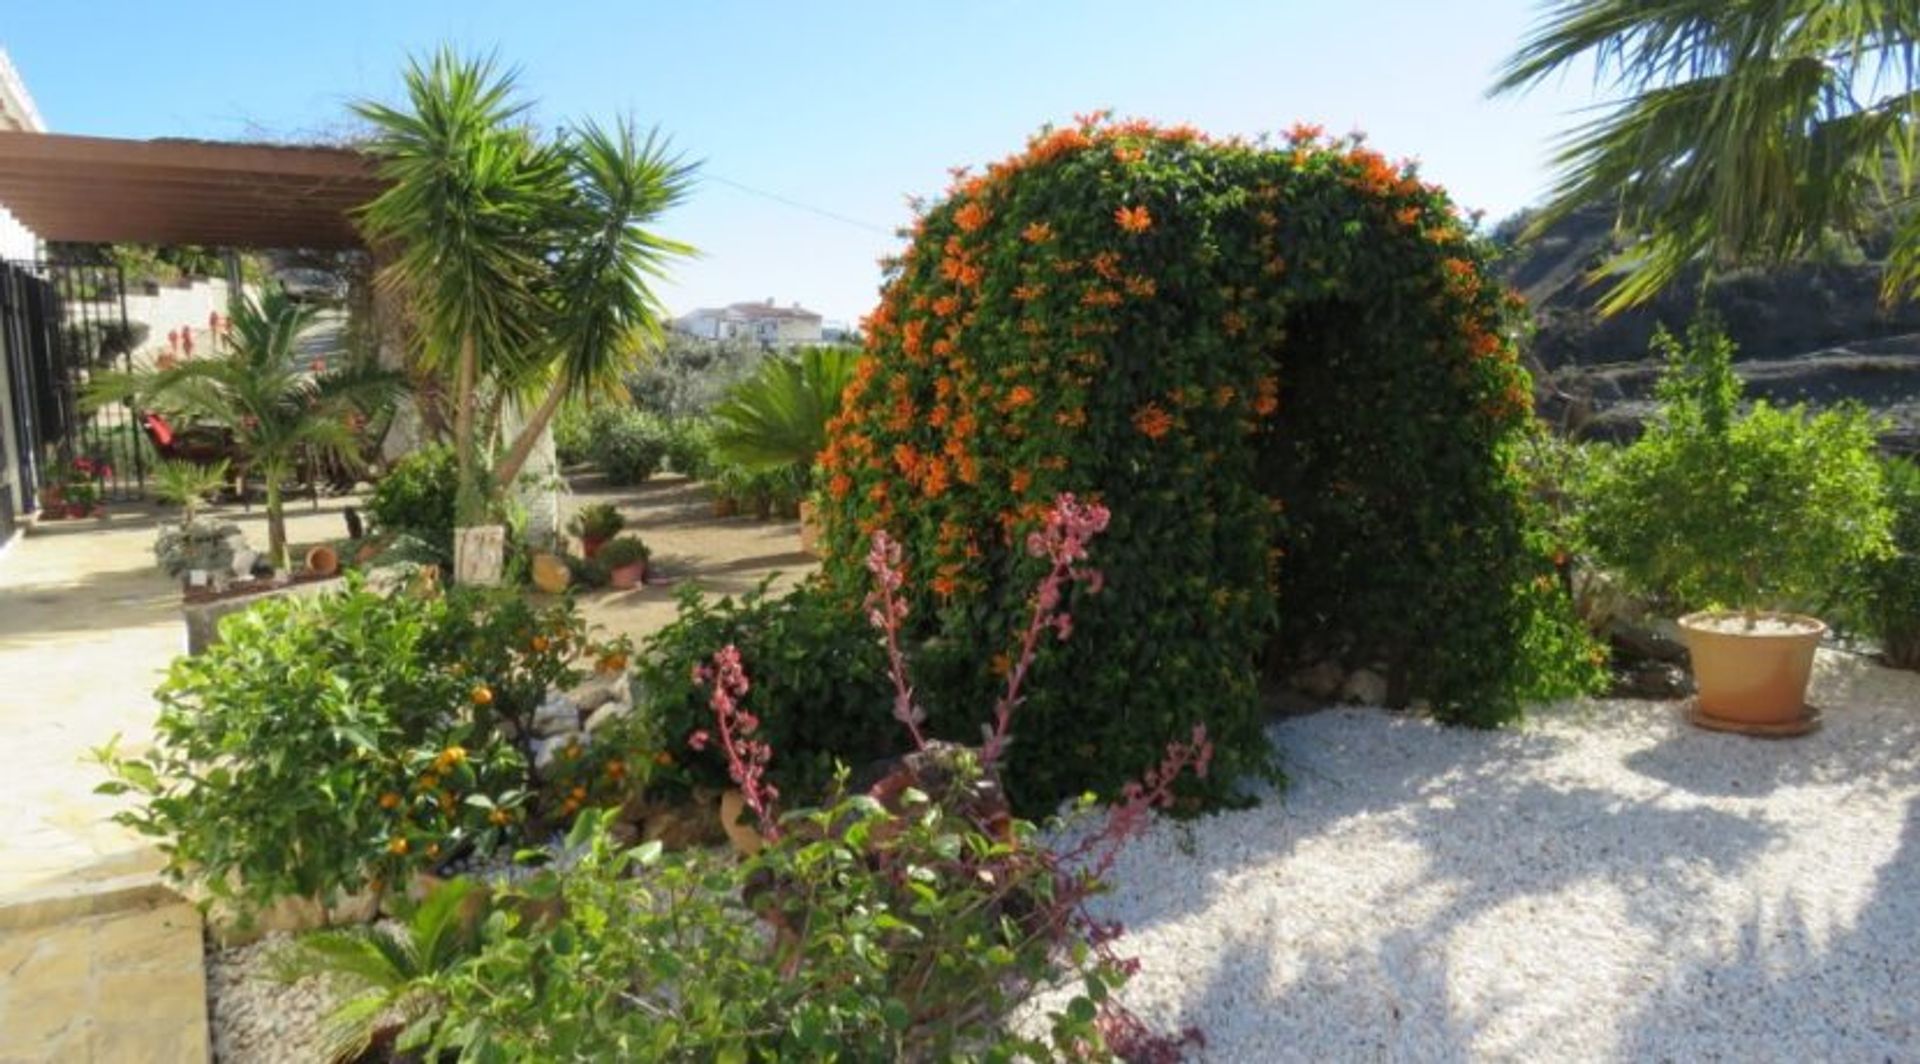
point(1287, 372)
point(599, 520)
point(572, 434)
point(819, 679)
point(323, 743)
point(416, 498)
point(690, 448)
point(1893, 582)
point(328, 742)
point(1770, 509)
point(627, 446)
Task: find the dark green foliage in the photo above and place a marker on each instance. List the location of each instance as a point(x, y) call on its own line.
point(1893, 589)
point(623, 551)
point(417, 498)
point(1713, 507)
point(1286, 373)
point(819, 684)
point(627, 446)
point(690, 448)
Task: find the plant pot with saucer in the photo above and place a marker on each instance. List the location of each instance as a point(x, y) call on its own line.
point(625, 559)
point(1758, 510)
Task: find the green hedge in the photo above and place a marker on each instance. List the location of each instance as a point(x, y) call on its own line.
point(1285, 370)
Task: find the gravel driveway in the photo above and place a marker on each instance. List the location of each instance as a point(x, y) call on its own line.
point(1606, 884)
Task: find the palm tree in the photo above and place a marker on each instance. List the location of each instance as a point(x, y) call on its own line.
point(1746, 129)
point(778, 417)
point(469, 200)
point(281, 406)
point(528, 262)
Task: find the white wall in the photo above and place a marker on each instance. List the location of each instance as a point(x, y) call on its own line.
point(174, 306)
point(16, 240)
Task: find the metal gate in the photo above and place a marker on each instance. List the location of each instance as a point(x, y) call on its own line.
point(63, 325)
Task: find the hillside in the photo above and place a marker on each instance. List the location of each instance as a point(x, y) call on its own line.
point(1812, 332)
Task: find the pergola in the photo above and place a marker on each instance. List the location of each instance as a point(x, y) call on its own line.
point(171, 192)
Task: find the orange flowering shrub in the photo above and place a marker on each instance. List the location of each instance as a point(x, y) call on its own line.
point(1285, 373)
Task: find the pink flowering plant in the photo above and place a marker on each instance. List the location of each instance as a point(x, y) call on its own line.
point(966, 910)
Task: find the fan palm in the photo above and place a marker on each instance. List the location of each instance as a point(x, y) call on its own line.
point(1746, 129)
point(528, 262)
point(778, 417)
point(390, 976)
point(281, 406)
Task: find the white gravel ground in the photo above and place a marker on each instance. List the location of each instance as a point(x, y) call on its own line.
point(1607, 883)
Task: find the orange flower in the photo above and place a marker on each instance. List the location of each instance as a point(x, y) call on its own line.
point(663, 759)
point(1408, 217)
point(1268, 400)
point(908, 459)
point(1134, 219)
point(971, 216)
point(1020, 396)
point(1037, 233)
point(389, 800)
point(1022, 479)
point(1141, 287)
point(1304, 133)
point(1100, 297)
point(944, 307)
point(1152, 421)
point(937, 478)
point(1224, 395)
point(840, 485)
point(1027, 293)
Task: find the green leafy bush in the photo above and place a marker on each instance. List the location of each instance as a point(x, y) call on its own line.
point(1893, 582)
point(1712, 507)
point(323, 743)
point(416, 498)
point(332, 741)
point(819, 676)
point(572, 434)
point(690, 450)
point(1287, 372)
point(623, 551)
point(627, 446)
point(599, 520)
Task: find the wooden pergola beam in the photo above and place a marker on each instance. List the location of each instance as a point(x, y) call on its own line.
point(102, 190)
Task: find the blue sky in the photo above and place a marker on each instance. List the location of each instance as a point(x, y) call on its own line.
point(845, 107)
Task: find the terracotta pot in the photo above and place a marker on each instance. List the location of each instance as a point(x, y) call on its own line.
point(1752, 678)
point(738, 821)
point(809, 529)
point(323, 560)
point(725, 506)
point(590, 546)
point(550, 574)
point(628, 577)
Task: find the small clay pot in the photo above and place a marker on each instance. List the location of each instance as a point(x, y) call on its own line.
point(725, 506)
point(628, 577)
point(323, 561)
point(590, 546)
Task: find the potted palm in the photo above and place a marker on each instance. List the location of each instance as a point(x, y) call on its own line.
point(1742, 520)
point(596, 523)
point(625, 559)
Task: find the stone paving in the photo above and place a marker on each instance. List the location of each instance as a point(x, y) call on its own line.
point(98, 961)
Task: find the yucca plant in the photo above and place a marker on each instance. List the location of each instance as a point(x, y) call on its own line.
point(282, 405)
point(778, 417)
point(1745, 129)
point(391, 977)
point(528, 261)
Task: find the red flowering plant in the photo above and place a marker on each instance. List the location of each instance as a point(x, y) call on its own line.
point(1286, 371)
point(976, 910)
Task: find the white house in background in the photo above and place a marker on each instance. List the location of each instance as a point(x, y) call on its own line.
point(769, 324)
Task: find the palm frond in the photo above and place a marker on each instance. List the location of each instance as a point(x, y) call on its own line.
point(778, 417)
